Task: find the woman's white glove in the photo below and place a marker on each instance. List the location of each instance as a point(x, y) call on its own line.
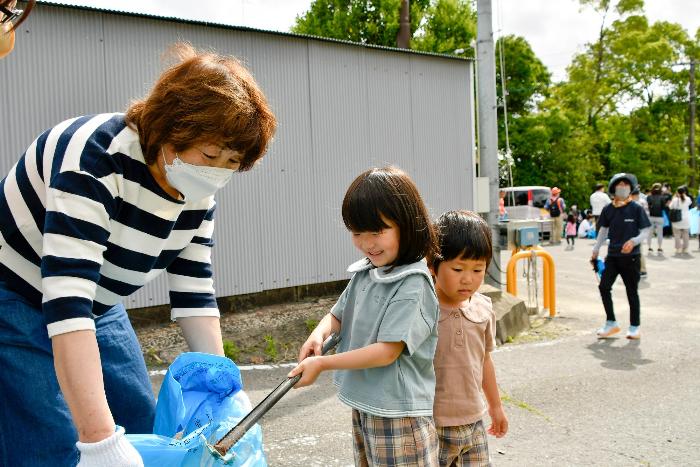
point(115, 451)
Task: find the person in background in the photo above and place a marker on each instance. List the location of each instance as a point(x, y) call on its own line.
point(570, 231)
point(586, 228)
point(10, 19)
point(681, 228)
point(697, 206)
point(502, 213)
point(599, 199)
point(656, 202)
point(578, 215)
point(98, 206)
point(636, 197)
point(557, 210)
point(626, 224)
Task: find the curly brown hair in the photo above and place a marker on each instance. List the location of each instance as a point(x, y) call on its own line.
point(204, 98)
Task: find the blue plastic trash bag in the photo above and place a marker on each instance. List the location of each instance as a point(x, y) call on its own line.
point(201, 398)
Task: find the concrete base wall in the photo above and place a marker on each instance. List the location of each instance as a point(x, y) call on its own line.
point(511, 313)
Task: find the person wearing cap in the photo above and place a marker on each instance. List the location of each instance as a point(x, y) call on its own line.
point(599, 199)
point(10, 19)
point(557, 209)
point(626, 225)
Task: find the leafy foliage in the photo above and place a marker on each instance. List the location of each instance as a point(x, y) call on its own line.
point(527, 78)
point(364, 21)
point(449, 28)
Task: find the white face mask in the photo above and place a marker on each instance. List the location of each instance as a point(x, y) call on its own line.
point(622, 192)
point(195, 182)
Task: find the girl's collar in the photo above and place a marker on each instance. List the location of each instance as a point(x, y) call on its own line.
point(381, 275)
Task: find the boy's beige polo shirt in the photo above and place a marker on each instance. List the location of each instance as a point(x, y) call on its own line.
point(464, 337)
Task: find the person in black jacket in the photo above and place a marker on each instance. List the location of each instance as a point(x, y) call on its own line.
point(657, 201)
point(626, 225)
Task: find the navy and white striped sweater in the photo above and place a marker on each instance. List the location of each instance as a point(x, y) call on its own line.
point(83, 224)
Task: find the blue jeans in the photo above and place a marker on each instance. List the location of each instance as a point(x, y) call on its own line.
point(36, 428)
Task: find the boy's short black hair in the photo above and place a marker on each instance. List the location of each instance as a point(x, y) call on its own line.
point(390, 192)
point(464, 235)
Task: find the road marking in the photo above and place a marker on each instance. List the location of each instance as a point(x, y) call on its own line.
point(241, 367)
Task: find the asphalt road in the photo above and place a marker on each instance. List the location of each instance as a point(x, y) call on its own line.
point(571, 400)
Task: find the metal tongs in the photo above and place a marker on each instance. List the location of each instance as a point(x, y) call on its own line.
point(221, 448)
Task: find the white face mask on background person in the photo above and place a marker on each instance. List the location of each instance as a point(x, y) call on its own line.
point(195, 182)
point(622, 192)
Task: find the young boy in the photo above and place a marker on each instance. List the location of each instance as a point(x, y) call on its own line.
point(466, 336)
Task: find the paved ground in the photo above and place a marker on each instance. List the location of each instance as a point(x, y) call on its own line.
point(572, 399)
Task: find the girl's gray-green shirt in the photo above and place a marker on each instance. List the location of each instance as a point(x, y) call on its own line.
point(396, 306)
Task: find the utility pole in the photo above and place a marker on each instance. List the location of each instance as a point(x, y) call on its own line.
point(488, 130)
point(403, 38)
point(691, 135)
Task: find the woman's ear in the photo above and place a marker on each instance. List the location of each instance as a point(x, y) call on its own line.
point(7, 40)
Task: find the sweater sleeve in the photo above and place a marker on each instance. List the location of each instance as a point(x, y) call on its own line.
point(76, 229)
point(190, 276)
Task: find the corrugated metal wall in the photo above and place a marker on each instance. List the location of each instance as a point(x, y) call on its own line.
point(341, 109)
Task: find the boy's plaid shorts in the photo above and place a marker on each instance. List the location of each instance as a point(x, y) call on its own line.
point(464, 445)
point(407, 441)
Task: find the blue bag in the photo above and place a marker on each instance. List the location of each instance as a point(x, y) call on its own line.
point(600, 265)
point(199, 401)
point(694, 221)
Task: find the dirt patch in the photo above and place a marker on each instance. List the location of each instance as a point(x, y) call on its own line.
point(542, 329)
point(268, 334)
point(274, 333)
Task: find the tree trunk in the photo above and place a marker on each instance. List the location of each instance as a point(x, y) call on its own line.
point(403, 38)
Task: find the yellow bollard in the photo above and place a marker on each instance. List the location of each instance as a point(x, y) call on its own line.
point(549, 285)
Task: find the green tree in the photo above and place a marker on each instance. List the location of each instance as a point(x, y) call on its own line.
point(526, 77)
point(624, 101)
point(364, 21)
point(449, 27)
point(628, 62)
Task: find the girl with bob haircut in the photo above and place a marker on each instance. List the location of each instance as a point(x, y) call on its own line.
point(96, 207)
point(387, 320)
point(467, 330)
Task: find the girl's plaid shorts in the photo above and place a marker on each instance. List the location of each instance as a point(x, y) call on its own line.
point(407, 441)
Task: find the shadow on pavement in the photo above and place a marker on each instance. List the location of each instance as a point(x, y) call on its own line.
point(625, 358)
point(656, 257)
point(685, 256)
